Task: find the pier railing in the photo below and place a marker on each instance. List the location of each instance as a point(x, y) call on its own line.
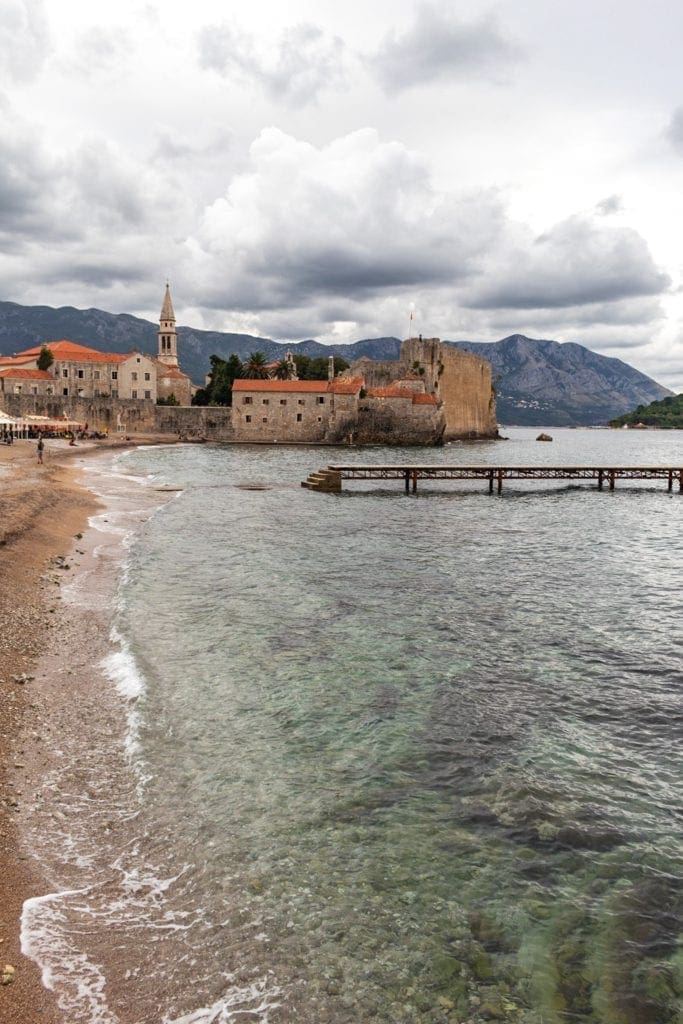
point(330, 478)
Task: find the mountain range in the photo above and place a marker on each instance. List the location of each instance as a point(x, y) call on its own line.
point(538, 382)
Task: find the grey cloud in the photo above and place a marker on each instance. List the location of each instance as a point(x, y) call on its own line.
point(609, 205)
point(306, 61)
point(357, 218)
point(576, 263)
point(100, 51)
point(24, 39)
point(440, 46)
point(674, 129)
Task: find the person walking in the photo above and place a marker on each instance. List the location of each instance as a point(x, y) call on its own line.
point(40, 448)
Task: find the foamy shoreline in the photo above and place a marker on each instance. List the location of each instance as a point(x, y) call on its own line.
point(56, 605)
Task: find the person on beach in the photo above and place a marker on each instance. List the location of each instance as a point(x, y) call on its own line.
point(40, 448)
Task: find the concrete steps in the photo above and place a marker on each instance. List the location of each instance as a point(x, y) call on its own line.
point(323, 480)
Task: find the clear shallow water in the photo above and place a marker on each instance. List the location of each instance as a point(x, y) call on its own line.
point(395, 758)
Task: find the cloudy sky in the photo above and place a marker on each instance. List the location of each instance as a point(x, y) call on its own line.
point(321, 170)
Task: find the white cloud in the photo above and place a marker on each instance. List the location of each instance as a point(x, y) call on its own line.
point(305, 61)
point(24, 39)
point(577, 262)
point(352, 219)
point(440, 46)
point(674, 129)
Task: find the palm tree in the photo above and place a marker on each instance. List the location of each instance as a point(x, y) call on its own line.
point(283, 370)
point(255, 367)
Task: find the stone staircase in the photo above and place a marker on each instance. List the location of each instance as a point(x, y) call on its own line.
point(323, 480)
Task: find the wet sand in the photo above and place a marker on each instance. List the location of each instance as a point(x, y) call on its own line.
point(43, 510)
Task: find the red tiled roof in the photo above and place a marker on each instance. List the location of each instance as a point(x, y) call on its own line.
point(25, 373)
point(339, 386)
point(169, 371)
point(346, 385)
point(390, 391)
point(70, 350)
point(16, 360)
point(420, 398)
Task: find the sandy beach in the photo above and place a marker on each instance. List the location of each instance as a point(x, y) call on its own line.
point(43, 511)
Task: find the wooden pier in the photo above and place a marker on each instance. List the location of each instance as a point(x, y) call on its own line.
point(330, 479)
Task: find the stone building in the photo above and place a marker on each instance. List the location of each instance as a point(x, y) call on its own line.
point(294, 410)
point(78, 371)
point(459, 382)
point(26, 380)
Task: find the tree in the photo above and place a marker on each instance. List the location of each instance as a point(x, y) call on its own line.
point(170, 400)
point(218, 390)
point(45, 358)
point(283, 370)
point(315, 368)
point(255, 367)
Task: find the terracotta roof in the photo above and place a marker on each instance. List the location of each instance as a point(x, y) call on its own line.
point(420, 398)
point(339, 386)
point(16, 360)
point(169, 371)
point(346, 385)
point(65, 350)
point(25, 373)
point(390, 391)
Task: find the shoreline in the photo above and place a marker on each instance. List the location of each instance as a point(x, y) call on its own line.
point(44, 513)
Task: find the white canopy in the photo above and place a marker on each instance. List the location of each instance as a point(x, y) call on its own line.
point(22, 425)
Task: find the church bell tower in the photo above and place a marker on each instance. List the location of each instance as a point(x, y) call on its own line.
point(167, 337)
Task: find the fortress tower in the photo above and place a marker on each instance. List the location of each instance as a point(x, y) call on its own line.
point(167, 336)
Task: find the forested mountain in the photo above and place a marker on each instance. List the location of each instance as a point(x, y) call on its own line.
point(537, 382)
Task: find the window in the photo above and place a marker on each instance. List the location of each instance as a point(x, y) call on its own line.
point(247, 400)
point(321, 400)
point(266, 401)
point(148, 394)
point(34, 391)
point(114, 374)
point(302, 401)
point(96, 375)
point(138, 359)
point(320, 419)
point(81, 374)
point(147, 376)
point(283, 401)
point(65, 391)
point(265, 419)
point(248, 419)
point(49, 390)
point(133, 394)
point(134, 375)
point(65, 373)
point(299, 417)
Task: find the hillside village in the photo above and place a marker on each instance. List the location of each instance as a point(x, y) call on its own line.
point(432, 393)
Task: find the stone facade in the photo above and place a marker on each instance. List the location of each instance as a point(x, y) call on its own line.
point(81, 372)
point(294, 410)
point(460, 382)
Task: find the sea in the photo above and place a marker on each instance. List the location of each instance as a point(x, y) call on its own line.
point(369, 756)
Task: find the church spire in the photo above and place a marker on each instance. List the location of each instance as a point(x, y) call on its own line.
point(167, 337)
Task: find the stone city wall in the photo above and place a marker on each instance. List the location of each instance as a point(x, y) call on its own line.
point(127, 415)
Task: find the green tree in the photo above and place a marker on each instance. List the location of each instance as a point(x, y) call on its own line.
point(315, 368)
point(45, 358)
point(255, 367)
point(218, 390)
point(283, 370)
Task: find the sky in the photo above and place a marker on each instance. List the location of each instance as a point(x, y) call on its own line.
point(339, 171)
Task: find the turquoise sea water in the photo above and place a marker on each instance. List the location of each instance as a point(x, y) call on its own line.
point(392, 758)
